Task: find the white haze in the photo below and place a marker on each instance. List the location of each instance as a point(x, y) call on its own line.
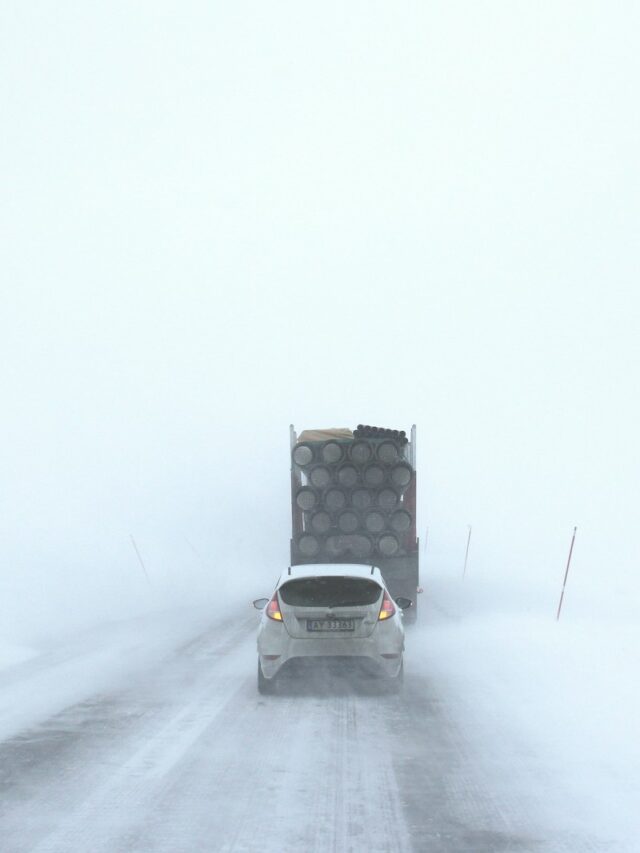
point(219, 219)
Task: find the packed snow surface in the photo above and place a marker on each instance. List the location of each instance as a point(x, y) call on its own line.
point(513, 733)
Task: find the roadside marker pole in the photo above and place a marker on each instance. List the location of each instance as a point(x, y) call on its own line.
point(566, 574)
point(144, 568)
point(194, 549)
point(466, 556)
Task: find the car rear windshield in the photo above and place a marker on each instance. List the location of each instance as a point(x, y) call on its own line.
point(330, 592)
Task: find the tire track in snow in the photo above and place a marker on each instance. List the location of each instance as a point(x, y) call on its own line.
point(194, 759)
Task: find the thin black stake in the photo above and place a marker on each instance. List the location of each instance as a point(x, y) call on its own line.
point(566, 574)
point(466, 556)
point(144, 568)
point(194, 549)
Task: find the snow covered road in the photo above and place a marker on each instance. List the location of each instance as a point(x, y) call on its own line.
point(188, 757)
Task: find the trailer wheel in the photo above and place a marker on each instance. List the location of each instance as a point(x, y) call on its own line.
point(411, 615)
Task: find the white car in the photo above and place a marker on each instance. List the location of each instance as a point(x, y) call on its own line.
point(330, 610)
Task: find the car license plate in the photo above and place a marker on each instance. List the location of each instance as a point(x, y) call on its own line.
point(330, 625)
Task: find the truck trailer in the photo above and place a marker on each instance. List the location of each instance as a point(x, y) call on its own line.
point(353, 500)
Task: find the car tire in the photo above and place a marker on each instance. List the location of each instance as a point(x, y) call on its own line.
point(394, 684)
point(266, 686)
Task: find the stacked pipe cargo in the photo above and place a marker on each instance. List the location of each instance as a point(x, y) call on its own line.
point(353, 494)
point(365, 431)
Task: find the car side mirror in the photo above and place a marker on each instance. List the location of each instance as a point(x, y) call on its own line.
point(260, 603)
point(403, 603)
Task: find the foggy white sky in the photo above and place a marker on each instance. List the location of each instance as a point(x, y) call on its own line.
point(218, 219)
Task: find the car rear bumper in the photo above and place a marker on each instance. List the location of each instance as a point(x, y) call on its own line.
point(384, 647)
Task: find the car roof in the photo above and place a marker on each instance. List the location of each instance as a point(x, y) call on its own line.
point(314, 570)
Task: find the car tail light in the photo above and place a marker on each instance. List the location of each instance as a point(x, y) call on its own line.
point(387, 608)
point(273, 609)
